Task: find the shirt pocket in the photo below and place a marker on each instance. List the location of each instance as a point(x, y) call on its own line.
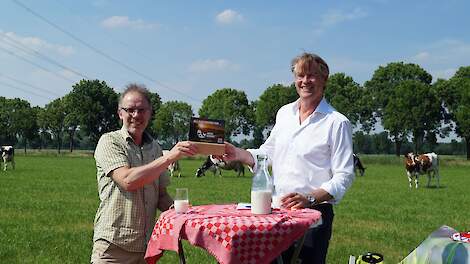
point(135, 156)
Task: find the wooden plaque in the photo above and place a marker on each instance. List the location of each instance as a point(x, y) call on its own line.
point(208, 135)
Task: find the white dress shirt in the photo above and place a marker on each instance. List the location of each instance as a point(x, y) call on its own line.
point(311, 155)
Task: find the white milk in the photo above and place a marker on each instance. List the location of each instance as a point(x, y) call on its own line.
point(261, 202)
point(181, 206)
point(277, 201)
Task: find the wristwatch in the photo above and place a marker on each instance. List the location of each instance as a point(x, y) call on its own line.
point(311, 200)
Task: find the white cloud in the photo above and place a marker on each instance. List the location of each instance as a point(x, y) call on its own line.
point(125, 22)
point(68, 74)
point(443, 57)
point(422, 56)
point(35, 43)
point(228, 16)
point(209, 65)
point(333, 17)
point(360, 70)
point(443, 74)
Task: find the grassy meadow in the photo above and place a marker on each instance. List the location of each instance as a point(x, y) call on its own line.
point(49, 202)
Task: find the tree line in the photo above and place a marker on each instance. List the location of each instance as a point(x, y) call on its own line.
point(400, 96)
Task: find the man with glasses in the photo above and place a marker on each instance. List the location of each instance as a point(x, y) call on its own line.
point(132, 181)
point(310, 148)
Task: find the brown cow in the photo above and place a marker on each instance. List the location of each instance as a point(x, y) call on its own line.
point(429, 163)
point(412, 168)
point(420, 164)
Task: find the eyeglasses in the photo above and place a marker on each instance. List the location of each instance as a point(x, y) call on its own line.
point(309, 77)
point(133, 111)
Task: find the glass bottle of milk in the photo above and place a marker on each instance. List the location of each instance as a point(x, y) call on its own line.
point(261, 188)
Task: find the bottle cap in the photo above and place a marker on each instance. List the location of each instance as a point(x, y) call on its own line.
point(461, 237)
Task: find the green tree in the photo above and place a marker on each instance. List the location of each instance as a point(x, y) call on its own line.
point(273, 98)
point(156, 102)
point(53, 120)
point(71, 121)
point(8, 133)
point(95, 104)
point(233, 107)
point(362, 143)
point(171, 123)
point(23, 120)
point(29, 130)
point(456, 97)
point(415, 108)
point(381, 88)
point(17, 121)
point(381, 143)
point(44, 135)
point(349, 98)
point(385, 79)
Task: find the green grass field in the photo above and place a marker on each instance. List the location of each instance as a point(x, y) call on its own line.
point(48, 205)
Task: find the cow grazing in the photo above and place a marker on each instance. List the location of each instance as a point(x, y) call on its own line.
point(215, 165)
point(358, 165)
point(208, 165)
point(8, 156)
point(422, 164)
point(174, 167)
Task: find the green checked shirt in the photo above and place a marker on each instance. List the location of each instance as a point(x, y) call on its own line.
point(127, 218)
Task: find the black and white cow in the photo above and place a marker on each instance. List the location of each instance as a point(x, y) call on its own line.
point(216, 166)
point(174, 167)
point(422, 164)
point(8, 156)
point(358, 165)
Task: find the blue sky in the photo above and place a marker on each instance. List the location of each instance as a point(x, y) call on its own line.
point(186, 50)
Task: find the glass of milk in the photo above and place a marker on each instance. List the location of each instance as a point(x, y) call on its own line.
point(276, 199)
point(181, 200)
point(261, 202)
point(276, 203)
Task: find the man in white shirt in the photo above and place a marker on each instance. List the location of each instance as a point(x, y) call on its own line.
point(310, 149)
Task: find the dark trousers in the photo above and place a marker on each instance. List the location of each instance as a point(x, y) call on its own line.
point(316, 241)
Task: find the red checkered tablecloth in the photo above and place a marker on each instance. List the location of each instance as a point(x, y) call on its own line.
point(230, 235)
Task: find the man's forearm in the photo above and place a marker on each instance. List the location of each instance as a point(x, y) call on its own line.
point(134, 178)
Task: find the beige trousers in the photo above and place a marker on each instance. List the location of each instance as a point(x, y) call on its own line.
point(107, 253)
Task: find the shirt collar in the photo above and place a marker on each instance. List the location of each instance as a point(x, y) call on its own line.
point(146, 138)
point(323, 107)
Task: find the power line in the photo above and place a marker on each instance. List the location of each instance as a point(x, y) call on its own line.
point(24, 90)
point(126, 45)
point(30, 85)
point(35, 64)
point(40, 55)
point(96, 50)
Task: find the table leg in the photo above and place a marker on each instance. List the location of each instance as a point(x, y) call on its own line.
point(298, 247)
point(181, 252)
point(279, 260)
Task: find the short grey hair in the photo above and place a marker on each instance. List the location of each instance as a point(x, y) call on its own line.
point(136, 88)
